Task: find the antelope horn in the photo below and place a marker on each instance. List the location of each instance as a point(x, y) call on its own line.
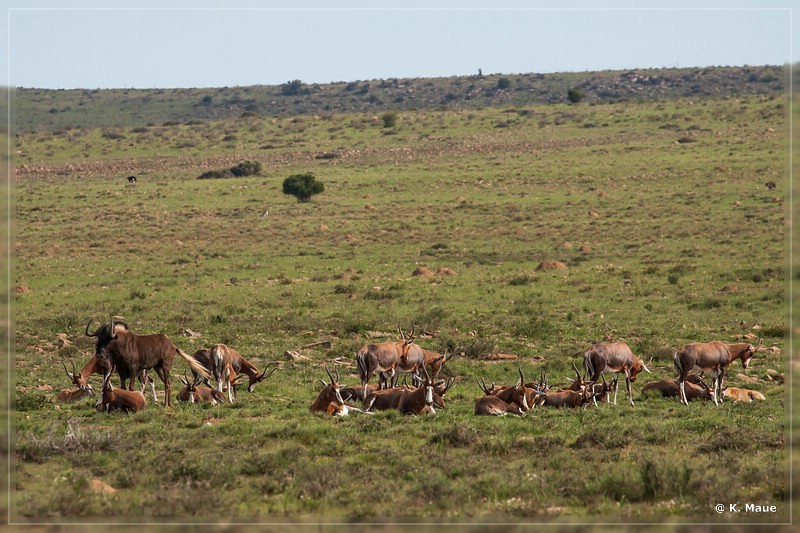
point(482, 385)
point(521, 377)
point(576, 371)
point(67, 371)
point(337, 373)
point(644, 367)
point(400, 331)
point(329, 374)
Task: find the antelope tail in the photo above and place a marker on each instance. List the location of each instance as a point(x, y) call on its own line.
point(588, 366)
point(194, 364)
point(361, 364)
point(677, 362)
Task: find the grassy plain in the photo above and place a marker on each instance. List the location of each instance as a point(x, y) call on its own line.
point(658, 210)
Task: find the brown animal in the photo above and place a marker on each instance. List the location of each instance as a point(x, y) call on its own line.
point(512, 395)
point(329, 400)
point(494, 406)
point(615, 357)
point(714, 356)
point(385, 399)
point(120, 399)
point(388, 358)
point(565, 398)
point(93, 366)
point(221, 368)
point(356, 393)
point(742, 395)
point(193, 392)
point(669, 388)
point(73, 395)
point(423, 400)
point(131, 354)
point(436, 361)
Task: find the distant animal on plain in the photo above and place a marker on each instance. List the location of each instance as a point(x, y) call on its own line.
point(132, 180)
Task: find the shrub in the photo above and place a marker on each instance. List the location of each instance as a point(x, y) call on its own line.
point(575, 95)
point(292, 88)
point(389, 119)
point(503, 83)
point(302, 186)
point(245, 168)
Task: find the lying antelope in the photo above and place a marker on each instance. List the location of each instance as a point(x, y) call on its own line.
point(669, 388)
point(615, 357)
point(422, 401)
point(193, 392)
point(73, 395)
point(742, 395)
point(514, 398)
point(565, 398)
point(715, 356)
point(120, 399)
point(329, 400)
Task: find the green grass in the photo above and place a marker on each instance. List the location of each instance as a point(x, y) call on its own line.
point(671, 260)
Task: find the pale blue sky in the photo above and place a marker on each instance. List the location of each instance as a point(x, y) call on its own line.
point(136, 45)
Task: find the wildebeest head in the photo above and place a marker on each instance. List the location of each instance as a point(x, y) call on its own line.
point(105, 334)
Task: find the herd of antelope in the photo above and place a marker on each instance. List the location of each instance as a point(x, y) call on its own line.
point(133, 356)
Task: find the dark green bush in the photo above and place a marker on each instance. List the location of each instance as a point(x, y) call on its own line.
point(302, 186)
point(575, 95)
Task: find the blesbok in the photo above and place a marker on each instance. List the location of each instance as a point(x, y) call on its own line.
point(193, 392)
point(494, 406)
point(388, 358)
point(385, 399)
point(73, 395)
point(615, 357)
point(131, 354)
point(742, 395)
point(120, 399)
point(669, 388)
point(422, 401)
point(240, 365)
point(221, 368)
point(94, 366)
point(516, 394)
point(329, 400)
point(435, 360)
point(565, 398)
point(714, 356)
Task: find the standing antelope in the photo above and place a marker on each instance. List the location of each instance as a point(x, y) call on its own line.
point(613, 357)
point(222, 369)
point(714, 356)
point(387, 358)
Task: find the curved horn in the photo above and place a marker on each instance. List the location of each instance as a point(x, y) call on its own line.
point(644, 367)
point(87, 329)
point(521, 377)
point(67, 371)
point(576, 372)
point(329, 374)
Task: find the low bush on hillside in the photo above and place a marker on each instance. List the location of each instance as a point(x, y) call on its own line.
point(245, 168)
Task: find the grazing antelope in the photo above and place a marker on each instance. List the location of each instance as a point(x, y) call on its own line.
point(120, 399)
point(669, 388)
point(132, 354)
point(742, 395)
point(436, 361)
point(73, 395)
point(388, 358)
point(613, 357)
point(94, 366)
point(714, 356)
point(192, 392)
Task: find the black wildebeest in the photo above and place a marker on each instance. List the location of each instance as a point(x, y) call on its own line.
point(132, 354)
point(132, 180)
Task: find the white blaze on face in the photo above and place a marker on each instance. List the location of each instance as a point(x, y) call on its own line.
point(525, 402)
point(429, 395)
point(339, 396)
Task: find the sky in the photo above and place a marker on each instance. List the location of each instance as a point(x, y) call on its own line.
point(179, 43)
